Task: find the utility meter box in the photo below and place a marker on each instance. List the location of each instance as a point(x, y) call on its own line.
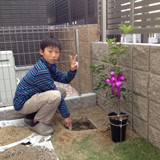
point(7, 78)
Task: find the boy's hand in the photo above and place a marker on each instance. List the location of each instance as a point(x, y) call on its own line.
point(74, 63)
point(68, 123)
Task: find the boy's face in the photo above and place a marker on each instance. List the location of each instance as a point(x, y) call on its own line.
point(50, 54)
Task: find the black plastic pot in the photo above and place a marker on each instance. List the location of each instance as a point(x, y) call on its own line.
point(118, 127)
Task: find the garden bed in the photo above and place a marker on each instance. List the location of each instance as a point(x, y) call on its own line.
point(93, 121)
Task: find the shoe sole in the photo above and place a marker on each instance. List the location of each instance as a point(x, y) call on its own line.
point(28, 121)
point(42, 129)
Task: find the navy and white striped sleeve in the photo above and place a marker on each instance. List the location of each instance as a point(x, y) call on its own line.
point(64, 78)
point(44, 81)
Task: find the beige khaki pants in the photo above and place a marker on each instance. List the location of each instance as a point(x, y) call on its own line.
point(45, 104)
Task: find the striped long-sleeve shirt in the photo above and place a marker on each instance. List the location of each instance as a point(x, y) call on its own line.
point(40, 78)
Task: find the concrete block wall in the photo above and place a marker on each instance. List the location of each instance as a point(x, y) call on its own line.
point(73, 102)
point(142, 71)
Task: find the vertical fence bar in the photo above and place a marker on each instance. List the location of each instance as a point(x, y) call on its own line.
point(132, 12)
point(78, 57)
point(86, 11)
point(103, 7)
point(55, 16)
point(69, 12)
point(98, 19)
point(95, 11)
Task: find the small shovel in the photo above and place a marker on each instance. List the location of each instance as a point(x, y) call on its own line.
point(25, 140)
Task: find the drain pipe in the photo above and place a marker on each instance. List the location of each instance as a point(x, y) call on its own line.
point(78, 59)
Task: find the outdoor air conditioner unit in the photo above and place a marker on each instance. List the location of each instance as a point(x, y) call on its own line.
point(7, 78)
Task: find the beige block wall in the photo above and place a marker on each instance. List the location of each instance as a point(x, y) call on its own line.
point(66, 36)
point(142, 70)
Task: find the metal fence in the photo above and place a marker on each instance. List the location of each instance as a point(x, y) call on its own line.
point(19, 51)
point(144, 14)
point(47, 12)
point(24, 42)
point(22, 13)
point(71, 12)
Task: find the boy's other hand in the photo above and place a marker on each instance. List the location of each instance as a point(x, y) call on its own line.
point(68, 123)
point(74, 63)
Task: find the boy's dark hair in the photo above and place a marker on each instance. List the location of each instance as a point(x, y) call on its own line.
point(50, 41)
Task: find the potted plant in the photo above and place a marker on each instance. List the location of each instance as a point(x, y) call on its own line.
point(112, 82)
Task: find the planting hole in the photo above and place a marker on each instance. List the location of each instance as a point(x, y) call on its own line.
point(82, 124)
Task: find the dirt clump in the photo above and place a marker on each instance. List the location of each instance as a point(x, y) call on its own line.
point(20, 152)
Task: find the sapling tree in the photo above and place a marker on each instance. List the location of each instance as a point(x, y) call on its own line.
point(115, 79)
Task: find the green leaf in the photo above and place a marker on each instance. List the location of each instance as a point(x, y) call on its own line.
point(115, 50)
point(119, 45)
point(124, 97)
point(105, 57)
point(110, 41)
point(95, 89)
point(123, 47)
point(128, 91)
point(132, 29)
point(114, 61)
point(127, 28)
point(92, 67)
point(114, 47)
point(124, 28)
point(102, 60)
point(123, 90)
point(111, 54)
point(124, 51)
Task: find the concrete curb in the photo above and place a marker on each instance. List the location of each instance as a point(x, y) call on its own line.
point(73, 102)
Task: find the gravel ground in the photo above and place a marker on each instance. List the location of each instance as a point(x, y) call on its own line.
point(69, 89)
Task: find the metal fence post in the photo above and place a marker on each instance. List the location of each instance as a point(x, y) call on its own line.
point(103, 5)
point(78, 59)
point(132, 12)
